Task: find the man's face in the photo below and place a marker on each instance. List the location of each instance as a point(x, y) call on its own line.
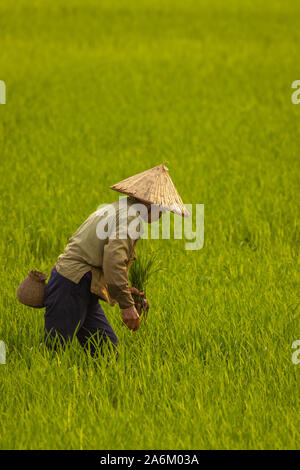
point(150, 212)
point(154, 213)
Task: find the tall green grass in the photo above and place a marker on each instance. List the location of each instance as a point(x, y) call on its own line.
point(98, 91)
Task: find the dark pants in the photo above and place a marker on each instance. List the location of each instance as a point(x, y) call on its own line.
point(72, 309)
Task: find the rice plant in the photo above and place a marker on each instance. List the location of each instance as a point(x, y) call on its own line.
point(143, 269)
point(146, 265)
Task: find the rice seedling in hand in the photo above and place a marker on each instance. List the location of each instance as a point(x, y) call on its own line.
point(145, 266)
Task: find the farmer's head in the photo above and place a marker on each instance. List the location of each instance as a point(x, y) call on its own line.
point(149, 212)
point(155, 190)
point(154, 212)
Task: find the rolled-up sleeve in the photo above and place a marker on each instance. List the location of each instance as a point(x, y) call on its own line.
point(116, 260)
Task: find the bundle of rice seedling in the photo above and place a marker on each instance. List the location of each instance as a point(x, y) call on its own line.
point(144, 267)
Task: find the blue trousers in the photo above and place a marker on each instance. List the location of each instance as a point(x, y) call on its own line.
point(72, 309)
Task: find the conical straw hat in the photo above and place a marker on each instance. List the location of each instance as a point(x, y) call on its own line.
point(153, 186)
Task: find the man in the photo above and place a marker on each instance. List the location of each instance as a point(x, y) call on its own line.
point(97, 258)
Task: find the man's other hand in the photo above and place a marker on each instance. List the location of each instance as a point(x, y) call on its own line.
point(131, 318)
point(135, 291)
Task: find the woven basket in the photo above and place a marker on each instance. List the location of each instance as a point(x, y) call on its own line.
point(31, 291)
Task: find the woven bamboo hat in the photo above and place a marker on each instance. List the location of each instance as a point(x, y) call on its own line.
point(153, 186)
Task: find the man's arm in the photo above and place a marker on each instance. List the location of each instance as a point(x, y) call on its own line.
point(115, 267)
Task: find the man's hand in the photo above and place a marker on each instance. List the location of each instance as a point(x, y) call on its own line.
point(131, 318)
point(135, 291)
